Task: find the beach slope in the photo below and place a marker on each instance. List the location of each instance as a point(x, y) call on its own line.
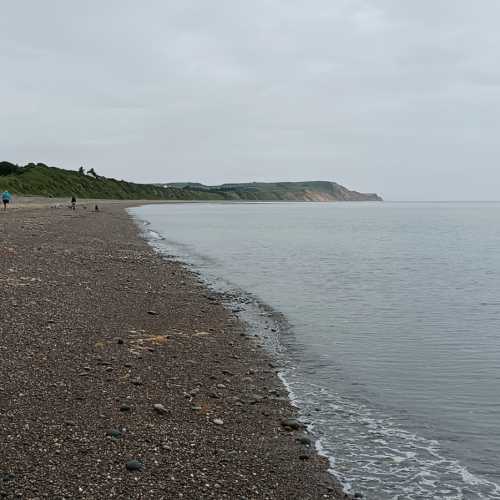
point(111, 357)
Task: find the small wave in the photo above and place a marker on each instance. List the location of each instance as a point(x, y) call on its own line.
point(370, 453)
point(154, 235)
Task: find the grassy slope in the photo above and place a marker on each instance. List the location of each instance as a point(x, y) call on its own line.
point(39, 179)
point(55, 182)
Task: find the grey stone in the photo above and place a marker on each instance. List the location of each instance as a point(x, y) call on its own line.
point(305, 440)
point(292, 424)
point(135, 465)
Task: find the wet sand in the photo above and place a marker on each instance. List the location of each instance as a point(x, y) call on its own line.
point(111, 356)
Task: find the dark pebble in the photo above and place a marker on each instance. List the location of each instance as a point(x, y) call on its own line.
point(305, 440)
point(135, 465)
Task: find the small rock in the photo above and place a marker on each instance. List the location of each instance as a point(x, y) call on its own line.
point(125, 408)
point(255, 398)
point(305, 440)
point(153, 313)
point(159, 408)
point(115, 433)
point(136, 381)
point(292, 424)
point(6, 477)
point(218, 421)
point(119, 341)
point(135, 465)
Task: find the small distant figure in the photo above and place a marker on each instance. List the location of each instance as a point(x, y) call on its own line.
point(73, 203)
point(6, 199)
point(96, 208)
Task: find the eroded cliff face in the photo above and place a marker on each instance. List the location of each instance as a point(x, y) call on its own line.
point(309, 195)
point(345, 195)
point(282, 191)
point(319, 195)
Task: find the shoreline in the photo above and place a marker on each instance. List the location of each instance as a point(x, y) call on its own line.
point(98, 328)
point(260, 320)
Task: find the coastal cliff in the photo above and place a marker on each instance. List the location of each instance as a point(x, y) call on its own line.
point(281, 191)
point(41, 180)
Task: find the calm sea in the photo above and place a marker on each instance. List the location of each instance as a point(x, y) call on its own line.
point(394, 328)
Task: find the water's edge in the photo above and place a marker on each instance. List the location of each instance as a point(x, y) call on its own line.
point(368, 448)
point(258, 317)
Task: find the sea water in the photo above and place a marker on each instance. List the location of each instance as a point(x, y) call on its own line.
point(394, 328)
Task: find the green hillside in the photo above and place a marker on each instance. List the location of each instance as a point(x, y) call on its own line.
point(41, 180)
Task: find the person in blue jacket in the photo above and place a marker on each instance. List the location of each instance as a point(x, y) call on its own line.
point(6, 199)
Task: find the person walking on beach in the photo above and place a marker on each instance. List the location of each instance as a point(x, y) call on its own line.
point(73, 203)
point(6, 199)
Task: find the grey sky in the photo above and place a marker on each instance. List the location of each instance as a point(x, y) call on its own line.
point(395, 96)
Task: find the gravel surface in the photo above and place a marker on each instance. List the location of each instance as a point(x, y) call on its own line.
point(122, 376)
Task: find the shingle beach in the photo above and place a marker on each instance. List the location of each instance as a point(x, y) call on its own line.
point(123, 376)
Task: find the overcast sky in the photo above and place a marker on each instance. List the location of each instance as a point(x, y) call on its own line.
point(400, 97)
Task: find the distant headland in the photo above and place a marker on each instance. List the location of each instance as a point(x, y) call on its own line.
point(38, 179)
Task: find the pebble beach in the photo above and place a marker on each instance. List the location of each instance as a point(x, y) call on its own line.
point(123, 376)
